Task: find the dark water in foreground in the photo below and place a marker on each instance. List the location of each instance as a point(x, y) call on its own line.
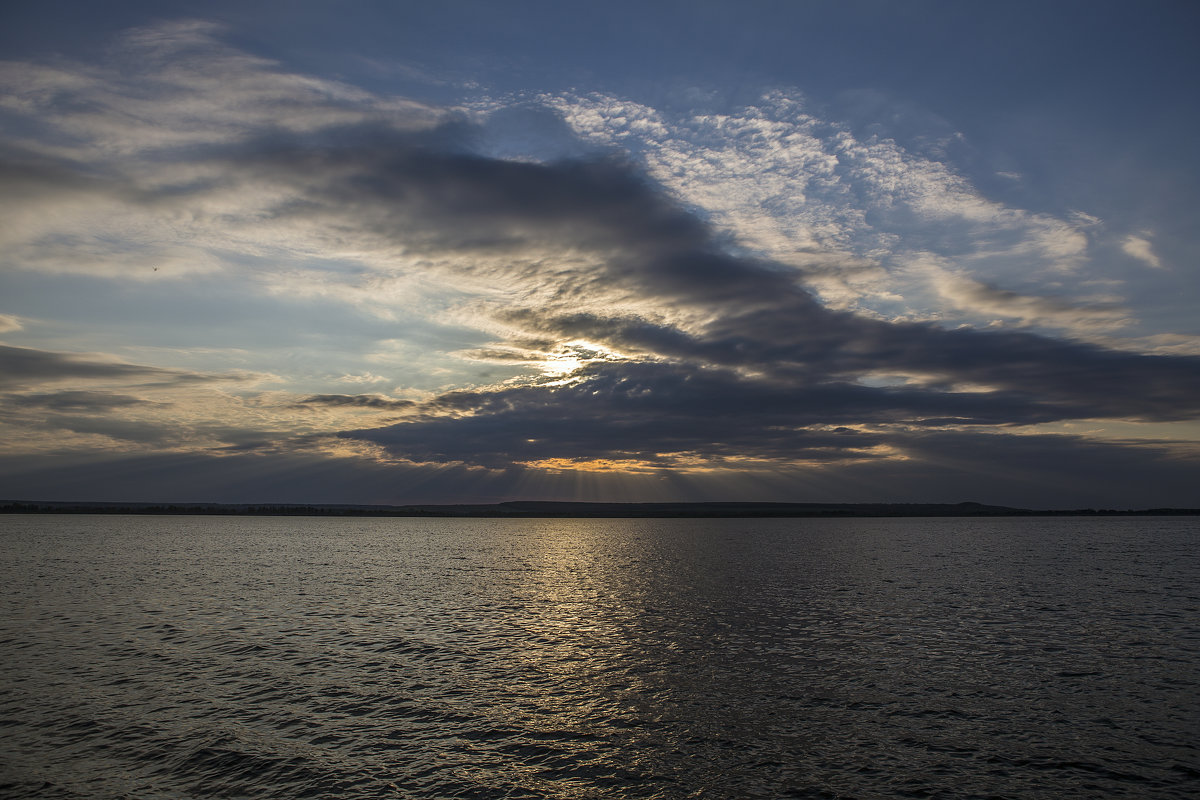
point(198, 657)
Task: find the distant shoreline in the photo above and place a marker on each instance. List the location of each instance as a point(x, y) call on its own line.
point(566, 510)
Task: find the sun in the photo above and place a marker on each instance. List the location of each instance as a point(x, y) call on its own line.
point(568, 357)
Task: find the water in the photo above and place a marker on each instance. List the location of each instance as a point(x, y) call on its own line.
point(216, 657)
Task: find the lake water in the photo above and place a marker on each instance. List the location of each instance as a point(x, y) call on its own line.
point(226, 657)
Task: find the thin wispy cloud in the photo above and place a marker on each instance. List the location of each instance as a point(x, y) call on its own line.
point(1139, 247)
point(807, 192)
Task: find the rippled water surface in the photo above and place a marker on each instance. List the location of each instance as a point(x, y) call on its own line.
point(206, 657)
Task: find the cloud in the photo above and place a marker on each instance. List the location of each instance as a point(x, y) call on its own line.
point(808, 192)
point(1041, 472)
point(1139, 247)
point(644, 413)
point(71, 403)
point(709, 291)
point(592, 251)
point(10, 323)
point(985, 300)
point(107, 175)
point(76, 400)
point(176, 85)
point(356, 401)
point(169, 170)
point(128, 180)
point(699, 333)
point(662, 413)
point(24, 367)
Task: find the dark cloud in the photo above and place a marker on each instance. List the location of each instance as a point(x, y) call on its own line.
point(243, 477)
point(660, 412)
point(1039, 471)
point(429, 192)
point(124, 430)
point(1031, 471)
point(76, 400)
point(800, 343)
point(22, 367)
point(355, 401)
point(25, 174)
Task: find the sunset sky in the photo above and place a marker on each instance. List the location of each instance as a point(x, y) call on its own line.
point(400, 252)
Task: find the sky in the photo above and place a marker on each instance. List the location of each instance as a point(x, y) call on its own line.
point(399, 252)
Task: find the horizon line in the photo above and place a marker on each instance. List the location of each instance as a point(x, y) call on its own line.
point(571, 508)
